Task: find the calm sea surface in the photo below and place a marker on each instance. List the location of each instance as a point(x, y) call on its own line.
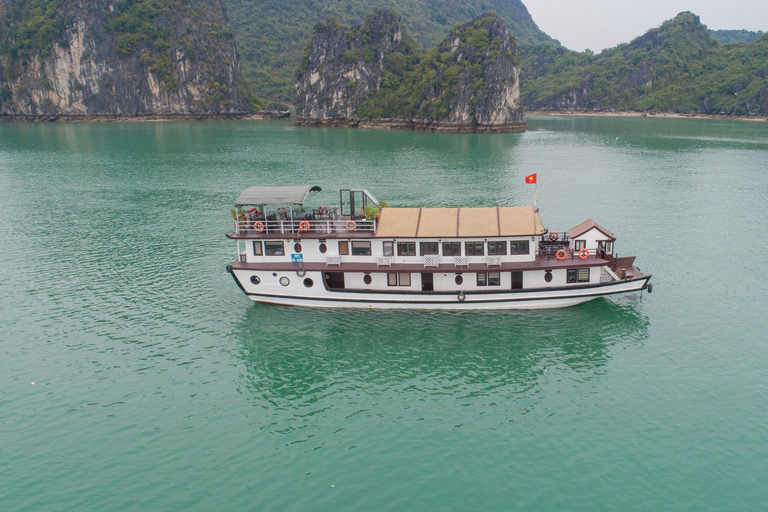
point(135, 375)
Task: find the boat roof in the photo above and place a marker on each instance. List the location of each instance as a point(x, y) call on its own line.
point(586, 226)
point(459, 222)
point(262, 196)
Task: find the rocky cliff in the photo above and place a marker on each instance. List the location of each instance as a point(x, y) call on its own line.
point(374, 75)
point(82, 58)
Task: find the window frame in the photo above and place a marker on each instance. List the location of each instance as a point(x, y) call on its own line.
point(257, 243)
point(475, 246)
point(428, 252)
point(482, 281)
point(576, 275)
point(515, 248)
point(274, 243)
point(493, 248)
point(410, 248)
point(366, 248)
point(343, 247)
point(399, 279)
point(452, 245)
point(388, 248)
point(494, 279)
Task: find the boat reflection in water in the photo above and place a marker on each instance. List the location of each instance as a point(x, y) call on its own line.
point(302, 361)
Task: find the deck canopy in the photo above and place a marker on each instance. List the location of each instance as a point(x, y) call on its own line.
point(262, 196)
point(459, 222)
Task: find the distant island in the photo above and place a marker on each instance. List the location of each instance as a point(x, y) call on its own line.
point(374, 75)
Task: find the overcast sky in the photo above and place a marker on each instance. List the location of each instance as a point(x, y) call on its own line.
point(599, 24)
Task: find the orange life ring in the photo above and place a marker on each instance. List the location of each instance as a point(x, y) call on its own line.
point(584, 254)
point(258, 226)
point(561, 254)
point(304, 225)
point(351, 225)
point(553, 237)
point(322, 210)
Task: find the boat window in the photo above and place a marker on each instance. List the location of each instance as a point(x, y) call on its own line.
point(548, 276)
point(309, 283)
point(343, 248)
point(520, 247)
point(323, 248)
point(255, 279)
point(334, 280)
point(482, 279)
point(367, 279)
point(517, 280)
point(388, 249)
point(494, 279)
point(406, 248)
point(459, 279)
point(361, 248)
point(498, 248)
point(579, 244)
point(451, 248)
point(578, 275)
point(426, 248)
point(474, 248)
point(297, 248)
point(257, 248)
point(400, 279)
point(274, 249)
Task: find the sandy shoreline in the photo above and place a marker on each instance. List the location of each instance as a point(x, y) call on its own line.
point(661, 115)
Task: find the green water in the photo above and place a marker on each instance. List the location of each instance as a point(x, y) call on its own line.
point(159, 386)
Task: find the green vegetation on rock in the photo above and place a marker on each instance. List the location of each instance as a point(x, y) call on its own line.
point(735, 36)
point(677, 67)
point(272, 34)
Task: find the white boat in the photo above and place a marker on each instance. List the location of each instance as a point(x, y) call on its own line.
point(417, 258)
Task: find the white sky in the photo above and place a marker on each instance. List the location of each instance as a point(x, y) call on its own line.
point(599, 24)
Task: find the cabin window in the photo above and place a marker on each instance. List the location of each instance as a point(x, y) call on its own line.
point(517, 280)
point(520, 247)
point(297, 248)
point(459, 279)
point(497, 248)
point(426, 248)
point(367, 279)
point(323, 248)
point(578, 275)
point(488, 279)
point(398, 279)
point(474, 248)
point(257, 248)
point(274, 249)
point(309, 283)
point(548, 276)
point(334, 280)
point(579, 244)
point(406, 248)
point(388, 248)
point(344, 248)
point(361, 248)
point(451, 248)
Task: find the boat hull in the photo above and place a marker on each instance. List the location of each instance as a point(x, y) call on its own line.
point(542, 298)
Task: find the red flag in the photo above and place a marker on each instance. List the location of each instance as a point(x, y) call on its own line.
point(531, 178)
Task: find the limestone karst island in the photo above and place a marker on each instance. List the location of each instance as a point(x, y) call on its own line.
point(460, 67)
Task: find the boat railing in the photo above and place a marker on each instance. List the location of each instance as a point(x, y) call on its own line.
point(295, 226)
